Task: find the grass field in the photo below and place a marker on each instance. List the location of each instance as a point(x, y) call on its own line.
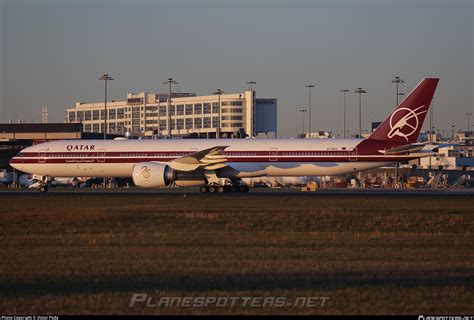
point(87, 254)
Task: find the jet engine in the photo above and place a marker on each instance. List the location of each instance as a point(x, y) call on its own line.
point(152, 174)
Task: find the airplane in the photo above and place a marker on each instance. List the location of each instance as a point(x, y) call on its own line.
point(199, 162)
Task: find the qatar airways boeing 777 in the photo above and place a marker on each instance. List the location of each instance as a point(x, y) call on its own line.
point(158, 163)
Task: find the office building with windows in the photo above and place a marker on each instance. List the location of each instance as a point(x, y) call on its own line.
point(146, 114)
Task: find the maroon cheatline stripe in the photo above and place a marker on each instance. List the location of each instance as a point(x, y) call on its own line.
point(230, 159)
point(185, 153)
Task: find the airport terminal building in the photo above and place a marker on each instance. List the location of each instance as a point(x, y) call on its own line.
point(146, 114)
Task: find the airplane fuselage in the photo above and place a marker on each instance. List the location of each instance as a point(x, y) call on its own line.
point(245, 157)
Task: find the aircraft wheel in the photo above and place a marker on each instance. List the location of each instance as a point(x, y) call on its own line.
point(203, 189)
point(212, 189)
point(44, 189)
point(234, 188)
point(221, 189)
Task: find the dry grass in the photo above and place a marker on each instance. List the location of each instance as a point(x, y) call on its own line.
point(86, 254)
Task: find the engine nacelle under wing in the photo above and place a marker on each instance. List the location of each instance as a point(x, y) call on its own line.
point(152, 174)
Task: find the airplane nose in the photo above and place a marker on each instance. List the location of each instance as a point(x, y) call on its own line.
point(17, 162)
point(13, 162)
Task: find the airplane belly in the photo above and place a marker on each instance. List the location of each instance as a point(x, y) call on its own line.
point(279, 169)
point(80, 169)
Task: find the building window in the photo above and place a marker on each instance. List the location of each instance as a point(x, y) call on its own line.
point(180, 124)
point(87, 115)
point(102, 114)
point(207, 108)
point(207, 122)
point(172, 110)
point(232, 118)
point(173, 124)
point(215, 122)
point(198, 108)
point(197, 123)
point(112, 127)
point(120, 114)
point(87, 128)
point(95, 127)
point(233, 125)
point(112, 114)
point(136, 113)
point(189, 123)
point(120, 127)
point(232, 110)
point(180, 110)
point(189, 109)
point(80, 116)
point(215, 107)
point(162, 111)
point(231, 103)
point(72, 116)
point(95, 115)
point(162, 125)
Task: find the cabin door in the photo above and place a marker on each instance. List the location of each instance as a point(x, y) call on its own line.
point(273, 154)
point(42, 156)
point(101, 156)
point(353, 155)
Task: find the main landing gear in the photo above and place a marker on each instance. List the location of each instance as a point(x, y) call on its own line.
point(213, 184)
point(235, 188)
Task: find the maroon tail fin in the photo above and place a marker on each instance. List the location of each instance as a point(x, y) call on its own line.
point(404, 124)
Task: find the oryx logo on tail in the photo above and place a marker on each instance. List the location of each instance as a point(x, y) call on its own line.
point(407, 124)
point(404, 123)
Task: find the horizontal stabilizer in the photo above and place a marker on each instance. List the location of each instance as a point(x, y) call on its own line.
point(414, 147)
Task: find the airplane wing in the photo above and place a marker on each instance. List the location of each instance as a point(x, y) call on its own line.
point(208, 159)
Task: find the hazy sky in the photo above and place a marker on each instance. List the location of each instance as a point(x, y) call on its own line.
point(52, 53)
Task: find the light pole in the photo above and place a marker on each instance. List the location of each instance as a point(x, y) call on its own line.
point(302, 111)
point(397, 81)
point(360, 91)
point(452, 129)
point(431, 123)
point(170, 81)
point(344, 91)
point(251, 83)
point(309, 86)
point(105, 77)
point(218, 131)
point(468, 115)
point(400, 94)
